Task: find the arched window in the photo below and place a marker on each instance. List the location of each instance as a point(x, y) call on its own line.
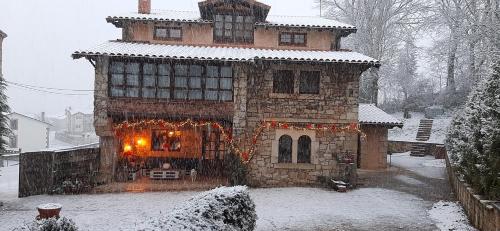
point(304, 150)
point(285, 149)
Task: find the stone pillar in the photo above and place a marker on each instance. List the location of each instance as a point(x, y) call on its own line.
point(103, 123)
point(240, 100)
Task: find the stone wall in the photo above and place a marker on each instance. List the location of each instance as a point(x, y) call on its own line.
point(41, 172)
point(483, 214)
point(337, 104)
point(374, 147)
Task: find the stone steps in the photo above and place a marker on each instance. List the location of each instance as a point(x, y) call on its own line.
point(423, 134)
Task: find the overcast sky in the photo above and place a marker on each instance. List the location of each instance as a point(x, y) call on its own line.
point(44, 33)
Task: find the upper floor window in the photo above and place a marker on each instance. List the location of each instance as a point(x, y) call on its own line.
point(13, 124)
point(285, 149)
point(167, 81)
point(293, 39)
point(309, 82)
point(13, 142)
point(234, 28)
point(168, 33)
point(283, 81)
point(304, 150)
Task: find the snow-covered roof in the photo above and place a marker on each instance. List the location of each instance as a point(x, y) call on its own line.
point(371, 114)
point(272, 20)
point(127, 49)
point(28, 117)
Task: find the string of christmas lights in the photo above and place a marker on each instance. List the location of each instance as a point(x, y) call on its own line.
point(245, 154)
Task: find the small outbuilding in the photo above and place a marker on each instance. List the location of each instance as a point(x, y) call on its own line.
point(373, 143)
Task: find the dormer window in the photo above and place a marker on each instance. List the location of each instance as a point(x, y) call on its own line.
point(233, 28)
point(168, 33)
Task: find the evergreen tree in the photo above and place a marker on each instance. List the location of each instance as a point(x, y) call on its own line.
point(4, 110)
point(474, 138)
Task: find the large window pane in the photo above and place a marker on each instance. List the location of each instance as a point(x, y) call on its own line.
point(133, 68)
point(180, 94)
point(175, 33)
point(164, 69)
point(117, 67)
point(132, 92)
point(195, 70)
point(149, 81)
point(226, 95)
point(195, 94)
point(181, 70)
point(132, 80)
point(164, 93)
point(212, 71)
point(226, 83)
point(181, 82)
point(211, 95)
point(212, 83)
point(163, 81)
point(117, 79)
point(226, 72)
point(195, 82)
point(161, 32)
point(148, 92)
point(117, 92)
point(149, 69)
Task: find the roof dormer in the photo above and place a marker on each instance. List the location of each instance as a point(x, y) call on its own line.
point(209, 8)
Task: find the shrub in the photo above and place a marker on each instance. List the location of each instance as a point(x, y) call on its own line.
point(474, 138)
point(219, 209)
point(52, 224)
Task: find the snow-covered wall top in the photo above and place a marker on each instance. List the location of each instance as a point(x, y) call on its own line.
point(272, 20)
point(116, 48)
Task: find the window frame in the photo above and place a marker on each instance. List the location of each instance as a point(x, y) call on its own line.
point(306, 74)
point(172, 77)
point(281, 158)
point(292, 42)
point(168, 36)
point(14, 124)
point(301, 152)
point(245, 25)
point(290, 89)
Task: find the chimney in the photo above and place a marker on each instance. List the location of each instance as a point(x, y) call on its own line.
point(43, 116)
point(144, 6)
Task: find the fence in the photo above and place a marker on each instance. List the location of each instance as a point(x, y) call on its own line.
point(42, 172)
point(483, 214)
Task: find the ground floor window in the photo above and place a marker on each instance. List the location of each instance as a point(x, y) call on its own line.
point(285, 149)
point(304, 150)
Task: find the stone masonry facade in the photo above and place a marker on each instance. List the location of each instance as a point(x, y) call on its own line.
point(336, 104)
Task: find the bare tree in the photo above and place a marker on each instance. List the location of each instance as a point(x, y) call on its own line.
point(382, 25)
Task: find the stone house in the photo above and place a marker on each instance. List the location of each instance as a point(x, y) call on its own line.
point(193, 85)
point(28, 134)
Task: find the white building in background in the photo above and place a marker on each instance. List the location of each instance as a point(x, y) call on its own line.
point(28, 134)
point(79, 123)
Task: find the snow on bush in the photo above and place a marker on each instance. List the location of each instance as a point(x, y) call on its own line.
point(450, 216)
point(224, 208)
point(474, 138)
point(52, 224)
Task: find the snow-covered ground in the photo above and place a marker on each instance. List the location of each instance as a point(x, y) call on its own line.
point(425, 166)
point(450, 216)
point(277, 208)
point(409, 131)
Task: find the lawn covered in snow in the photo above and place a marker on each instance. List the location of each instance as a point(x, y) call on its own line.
point(425, 166)
point(409, 131)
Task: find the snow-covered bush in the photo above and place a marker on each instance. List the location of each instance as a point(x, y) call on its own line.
point(223, 208)
point(474, 138)
point(52, 224)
